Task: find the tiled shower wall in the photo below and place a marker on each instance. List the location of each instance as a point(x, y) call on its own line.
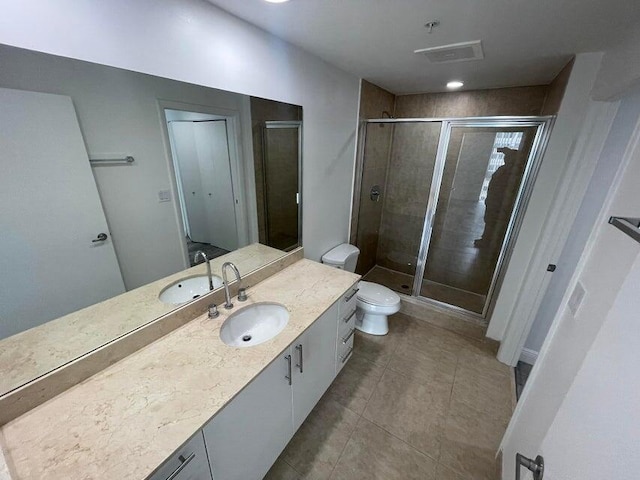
point(388, 232)
point(366, 226)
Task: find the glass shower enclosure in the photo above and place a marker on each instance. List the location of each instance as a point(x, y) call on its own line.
point(440, 201)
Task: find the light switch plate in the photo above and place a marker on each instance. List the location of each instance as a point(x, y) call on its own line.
point(164, 196)
point(576, 298)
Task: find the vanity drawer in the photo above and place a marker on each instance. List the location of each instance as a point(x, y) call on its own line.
point(190, 462)
point(348, 301)
point(344, 352)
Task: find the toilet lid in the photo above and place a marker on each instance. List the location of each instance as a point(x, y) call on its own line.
point(377, 294)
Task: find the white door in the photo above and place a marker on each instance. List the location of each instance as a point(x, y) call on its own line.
point(579, 409)
point(246, 437)
point(314, 364)
point(50, 213)
point(204, 170)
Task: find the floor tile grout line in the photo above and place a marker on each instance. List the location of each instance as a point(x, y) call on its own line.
point(413, 447)
point(344, 447)
point(360, 416)
point(292, 467)
point(384, 429)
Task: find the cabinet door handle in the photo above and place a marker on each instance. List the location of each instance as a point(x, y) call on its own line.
point(351, 295)
point(346, 355)
point(348, 317)
point(184, 463)
point(288, 359)
point(299, 348)
point(349, 335)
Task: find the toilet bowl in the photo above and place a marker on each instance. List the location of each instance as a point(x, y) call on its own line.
point(374, 303)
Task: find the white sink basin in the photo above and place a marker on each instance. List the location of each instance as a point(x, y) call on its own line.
point(254, 324)
point(187, 289)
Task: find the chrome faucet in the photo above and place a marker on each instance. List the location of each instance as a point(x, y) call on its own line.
point(225, 282)
point(200, 253)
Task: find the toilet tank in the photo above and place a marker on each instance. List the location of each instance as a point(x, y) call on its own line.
point(343, 256)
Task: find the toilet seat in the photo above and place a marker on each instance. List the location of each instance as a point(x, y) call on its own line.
point(377, 295)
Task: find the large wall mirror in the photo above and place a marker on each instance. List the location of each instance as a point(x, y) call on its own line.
point(111, 182)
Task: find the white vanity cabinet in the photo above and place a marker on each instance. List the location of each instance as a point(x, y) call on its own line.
point(314, 356)
point(188, 463)
point(247, 436)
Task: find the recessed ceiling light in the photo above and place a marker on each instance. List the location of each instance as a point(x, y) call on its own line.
point(276, 1)
point(454, 84)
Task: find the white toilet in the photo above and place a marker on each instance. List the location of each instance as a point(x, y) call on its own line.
point(374, 302)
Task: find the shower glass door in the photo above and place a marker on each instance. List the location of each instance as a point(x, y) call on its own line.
point(485, 170)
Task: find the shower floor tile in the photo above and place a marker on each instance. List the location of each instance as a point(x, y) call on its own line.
point(403, 283)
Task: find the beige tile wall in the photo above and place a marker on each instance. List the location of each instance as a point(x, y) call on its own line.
point(473, 103)
point(365, 226)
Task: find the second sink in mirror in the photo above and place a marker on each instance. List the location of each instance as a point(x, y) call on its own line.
point(188, 288)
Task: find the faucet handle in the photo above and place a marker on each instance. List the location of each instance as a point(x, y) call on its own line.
point(213, 311)
point(242, 294)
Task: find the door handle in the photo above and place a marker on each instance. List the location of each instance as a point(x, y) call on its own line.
point(299, 348)
point(535, 466)
point(100, 238)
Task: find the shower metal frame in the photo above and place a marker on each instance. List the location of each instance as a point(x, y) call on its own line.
point(544, 126)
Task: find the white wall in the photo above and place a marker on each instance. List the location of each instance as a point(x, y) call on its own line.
point(608, 164)
point(193, 41)
point(620, 70)
point(545, 193)
point(602, 270)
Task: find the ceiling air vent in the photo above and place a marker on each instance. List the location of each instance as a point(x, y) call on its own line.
point(456, 52)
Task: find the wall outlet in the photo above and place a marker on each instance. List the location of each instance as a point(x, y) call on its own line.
point(576, 298)
point(164, 196)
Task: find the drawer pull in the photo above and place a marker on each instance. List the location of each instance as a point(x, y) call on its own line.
point(349, 335)
point(351, 295)
point(185, 462)
point(348, 317)
point(346, 356)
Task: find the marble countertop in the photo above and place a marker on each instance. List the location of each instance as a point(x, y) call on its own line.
point(126, 420)
point(39, 350)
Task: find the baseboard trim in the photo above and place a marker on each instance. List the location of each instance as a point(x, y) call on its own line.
point(528, 356)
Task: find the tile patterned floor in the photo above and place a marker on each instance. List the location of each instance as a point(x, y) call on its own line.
point(419, 403)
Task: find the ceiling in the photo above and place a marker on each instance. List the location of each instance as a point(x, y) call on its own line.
point(525, 42)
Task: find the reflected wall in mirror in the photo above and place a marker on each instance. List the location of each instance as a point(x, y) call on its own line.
point(175, 169)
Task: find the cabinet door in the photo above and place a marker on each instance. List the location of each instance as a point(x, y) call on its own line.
point(188, 463)
point(313, 375)
point(246, 437)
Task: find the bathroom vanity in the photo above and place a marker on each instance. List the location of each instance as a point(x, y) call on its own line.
point(188, 406)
